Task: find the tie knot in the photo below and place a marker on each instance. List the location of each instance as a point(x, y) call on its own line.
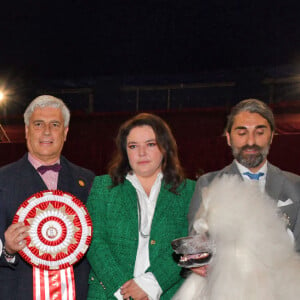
point(44, 169)
point(253, 176)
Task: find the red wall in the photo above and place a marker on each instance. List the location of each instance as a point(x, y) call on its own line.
point(198, 133)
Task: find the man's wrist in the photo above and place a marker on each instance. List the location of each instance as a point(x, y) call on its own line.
point(7, 254)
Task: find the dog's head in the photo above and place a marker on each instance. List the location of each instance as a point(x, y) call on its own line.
point(194, 251)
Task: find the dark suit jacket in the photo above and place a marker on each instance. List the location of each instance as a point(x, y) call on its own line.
point(280, 185)
point(19, 181)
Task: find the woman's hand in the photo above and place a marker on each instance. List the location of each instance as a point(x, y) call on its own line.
point(130, 290)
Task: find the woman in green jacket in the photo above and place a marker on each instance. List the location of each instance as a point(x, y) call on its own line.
point(137, 210)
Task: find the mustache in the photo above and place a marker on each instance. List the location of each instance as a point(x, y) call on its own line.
point(253, 147)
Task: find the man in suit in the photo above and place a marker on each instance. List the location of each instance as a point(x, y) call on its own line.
point(249, 132)
point(46, 127)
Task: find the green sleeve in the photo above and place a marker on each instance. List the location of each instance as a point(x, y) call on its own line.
point(104, 266)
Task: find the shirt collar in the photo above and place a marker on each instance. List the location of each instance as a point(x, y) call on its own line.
point(243, 169)
point(131, 177)
point(36, 162)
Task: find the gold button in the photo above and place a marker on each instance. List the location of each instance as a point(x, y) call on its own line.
point(153, 242)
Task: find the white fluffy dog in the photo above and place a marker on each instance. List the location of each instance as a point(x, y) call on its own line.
point(254, 257)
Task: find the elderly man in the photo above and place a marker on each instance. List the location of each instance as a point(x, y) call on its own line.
point(42, 168)
point(249, 132)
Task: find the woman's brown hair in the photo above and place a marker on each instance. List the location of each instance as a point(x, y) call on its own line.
point(171, 167)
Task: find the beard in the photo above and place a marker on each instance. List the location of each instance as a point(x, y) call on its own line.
point(250, 160)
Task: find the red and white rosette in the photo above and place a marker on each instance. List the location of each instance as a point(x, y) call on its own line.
point(59, 235)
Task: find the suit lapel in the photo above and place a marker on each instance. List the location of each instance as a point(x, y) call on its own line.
point(71, 182)
point(65, 179)
point(30, 178)
point(162, 206)
point(274, 182)
point(231, 169)
point(28, 182)
point(130, 209)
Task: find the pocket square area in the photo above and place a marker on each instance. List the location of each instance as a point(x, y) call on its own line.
point(284, 203)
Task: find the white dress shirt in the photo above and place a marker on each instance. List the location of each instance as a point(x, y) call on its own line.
point(261, 181)
point(146, 204)
point(50, 177)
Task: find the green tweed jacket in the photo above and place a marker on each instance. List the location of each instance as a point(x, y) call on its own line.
point(115, 238)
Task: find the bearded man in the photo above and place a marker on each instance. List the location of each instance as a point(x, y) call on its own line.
point(249, 132)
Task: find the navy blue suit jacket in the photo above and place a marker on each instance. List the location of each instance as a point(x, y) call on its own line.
point(19, 181)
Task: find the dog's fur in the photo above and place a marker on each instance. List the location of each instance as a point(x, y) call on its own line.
point(254, 258)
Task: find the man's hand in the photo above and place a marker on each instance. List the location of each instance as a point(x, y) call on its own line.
point(202, 271)
point(130, 290)
point(15, 237)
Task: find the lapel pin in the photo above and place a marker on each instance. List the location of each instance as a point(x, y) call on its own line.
point(81, 182)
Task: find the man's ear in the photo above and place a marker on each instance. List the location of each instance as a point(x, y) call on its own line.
point(271, 139)
point(228, 138)
point(26, 132)
point(66, 132)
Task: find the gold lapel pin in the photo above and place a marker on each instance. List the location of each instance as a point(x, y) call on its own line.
point(81, 182)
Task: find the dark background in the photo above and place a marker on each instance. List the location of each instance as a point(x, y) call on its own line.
point(188, 61)
point(95, 38)
point(48, 46)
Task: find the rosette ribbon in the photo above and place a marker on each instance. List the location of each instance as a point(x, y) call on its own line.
point(59, 236)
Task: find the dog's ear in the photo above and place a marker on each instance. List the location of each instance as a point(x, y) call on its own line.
point(202, 211)
point(205, 198)
point(200, 226)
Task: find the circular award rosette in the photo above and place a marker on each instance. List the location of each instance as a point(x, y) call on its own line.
point(60, 229)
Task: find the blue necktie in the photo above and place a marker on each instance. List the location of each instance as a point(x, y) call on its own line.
point(253, 176)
